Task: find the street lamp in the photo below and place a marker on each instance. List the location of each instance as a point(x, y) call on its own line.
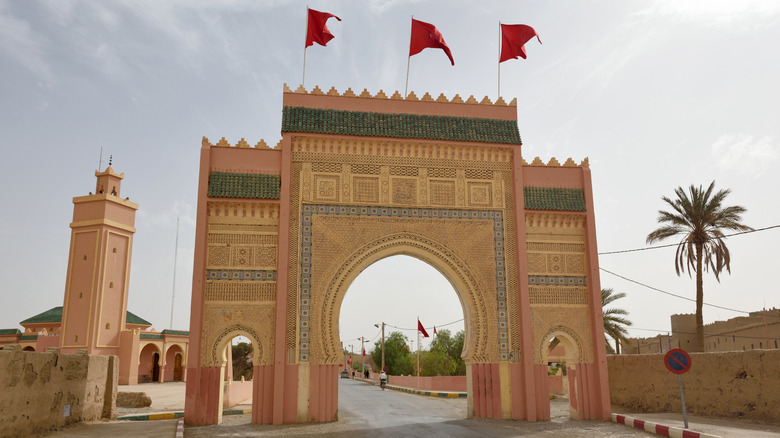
point(383, 345)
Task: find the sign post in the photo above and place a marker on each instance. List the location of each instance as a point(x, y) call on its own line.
point(678, 362)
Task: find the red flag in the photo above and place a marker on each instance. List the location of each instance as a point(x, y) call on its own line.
point(318, 32)
point(434, 330)
point(513, 39)
point(421, 329)
point(364, 352)
point(426, 35)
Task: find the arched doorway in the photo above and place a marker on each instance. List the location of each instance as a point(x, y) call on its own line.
point(563, 353)
point(235, 389)
point(177, 368)
point(149, 364)
point(156, 367)
point(173, 363)
point(396, 290)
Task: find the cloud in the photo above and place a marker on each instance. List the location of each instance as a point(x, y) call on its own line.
point(728, 14)
point(18, 40)
point(743, 154)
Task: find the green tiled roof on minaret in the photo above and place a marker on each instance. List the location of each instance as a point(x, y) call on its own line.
point(552, 198)
point(244, 185)
point(369, 124)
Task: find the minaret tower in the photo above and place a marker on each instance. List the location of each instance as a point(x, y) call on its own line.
point(101, 242)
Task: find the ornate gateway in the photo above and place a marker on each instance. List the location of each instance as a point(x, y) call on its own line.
point(282, 232)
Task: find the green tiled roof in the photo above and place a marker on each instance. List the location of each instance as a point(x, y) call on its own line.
point(244, 185)
point(52, 315)
point(55, 315)
point(328, 121)
point(28, 337)
point(151, 336)
point(10, 332)
point(176, 332)
point(132, 318)
point(549, 198)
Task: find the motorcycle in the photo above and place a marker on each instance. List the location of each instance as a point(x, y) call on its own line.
point(383, 383)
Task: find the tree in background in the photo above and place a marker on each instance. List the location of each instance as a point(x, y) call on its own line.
point(242, 361)
point(699, 217)
point(614, 324)
point(444, 345)
point(397, 355)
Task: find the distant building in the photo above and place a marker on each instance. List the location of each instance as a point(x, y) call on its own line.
point(759, 330)
point(94, 315)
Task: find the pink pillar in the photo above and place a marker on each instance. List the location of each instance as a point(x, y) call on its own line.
point(262, 396)
point(281, 392)
point(598, 380)
point(527, 409)
point(199, 391)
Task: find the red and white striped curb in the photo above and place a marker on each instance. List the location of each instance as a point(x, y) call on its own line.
point(180, 428)
point(660, 429)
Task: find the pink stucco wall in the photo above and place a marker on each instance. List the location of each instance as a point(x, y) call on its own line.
point(436, 383)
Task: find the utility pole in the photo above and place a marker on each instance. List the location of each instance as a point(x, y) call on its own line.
point(383, 345)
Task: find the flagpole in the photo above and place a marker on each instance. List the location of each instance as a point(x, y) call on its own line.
point(418, 354)
point(408, 60)
point(499, 60)
point(303, 79)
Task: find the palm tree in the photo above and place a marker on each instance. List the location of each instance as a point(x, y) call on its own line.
point(613, 322)
point(700, 219)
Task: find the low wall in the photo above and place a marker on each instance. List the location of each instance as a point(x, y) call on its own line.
point(740, 384)
point(236, 392)
point(42, 391)
point(436, 383)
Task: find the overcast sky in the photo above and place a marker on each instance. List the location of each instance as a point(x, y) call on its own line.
point(656, 94)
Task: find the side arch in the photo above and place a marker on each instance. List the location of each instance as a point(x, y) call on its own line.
point(478, 314)
point(221, 342)
point(569, 338)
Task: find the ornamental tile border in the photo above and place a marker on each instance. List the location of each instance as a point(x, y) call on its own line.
point(308, 210)
point(556, 280)
point(244, 185)
point(240, 275)
point(399, 125)
point(554, 198)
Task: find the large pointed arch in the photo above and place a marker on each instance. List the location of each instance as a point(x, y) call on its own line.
point(475, 309)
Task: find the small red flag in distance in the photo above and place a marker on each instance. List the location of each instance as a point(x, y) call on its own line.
point(434, 330)
point(421, 329)
point(318, 32)
point(513, 39)
point(426, 35)
point(364, 352)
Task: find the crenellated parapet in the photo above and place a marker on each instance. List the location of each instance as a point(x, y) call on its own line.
point(537, 162)
point(365, 94)
point(223, 143)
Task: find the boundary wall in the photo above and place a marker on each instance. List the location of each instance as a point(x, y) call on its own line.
point(729, 384)
point(44, 391)
point(436, 383)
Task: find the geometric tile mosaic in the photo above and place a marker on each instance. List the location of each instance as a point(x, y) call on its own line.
point(556, 280)
point(309, 210)
point(240, 275)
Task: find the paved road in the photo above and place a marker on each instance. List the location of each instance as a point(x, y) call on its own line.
point(366, 411)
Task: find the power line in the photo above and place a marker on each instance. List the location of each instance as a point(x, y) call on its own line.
point(411, 329)
point(669, 293)
point(706, 335)
point(677, 244)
